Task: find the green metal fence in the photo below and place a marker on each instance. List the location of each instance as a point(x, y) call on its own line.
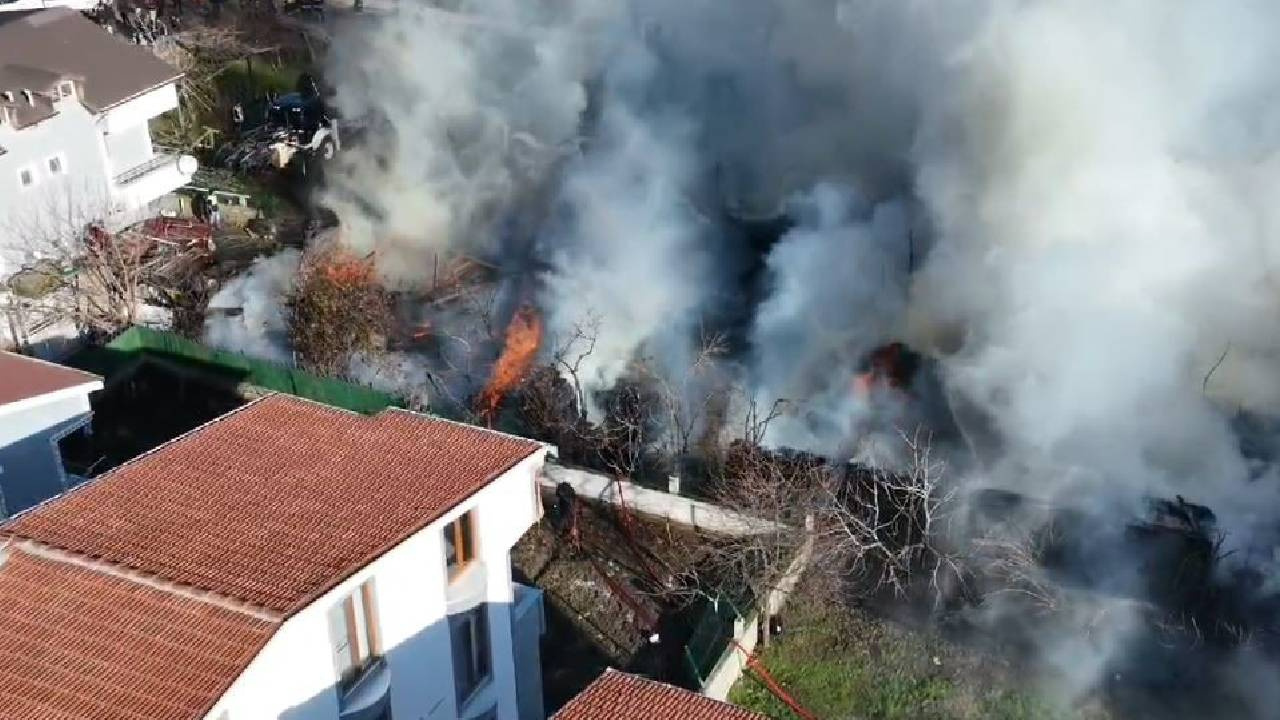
point(712, 632)
point(138, 344)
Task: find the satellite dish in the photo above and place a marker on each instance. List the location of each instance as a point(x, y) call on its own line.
point(187, 165)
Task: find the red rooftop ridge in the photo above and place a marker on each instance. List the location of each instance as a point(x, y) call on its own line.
point(617, 695)
point(275, 503)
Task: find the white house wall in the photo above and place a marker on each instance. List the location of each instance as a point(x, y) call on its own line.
point(138, 110)
point(95, 149)
point(293, 677)
point(128, 148)
point(27, 214)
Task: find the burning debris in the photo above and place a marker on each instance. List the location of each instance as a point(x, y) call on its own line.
point(519, 350)
point(338, 307)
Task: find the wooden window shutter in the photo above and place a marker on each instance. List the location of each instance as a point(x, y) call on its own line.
point(353, 642)
point(371, 617)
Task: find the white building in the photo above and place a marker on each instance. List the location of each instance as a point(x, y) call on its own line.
point(288, 560)
point(19, 5)
point(75, 139)
point(40, 404)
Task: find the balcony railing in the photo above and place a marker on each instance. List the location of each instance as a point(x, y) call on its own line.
point(137, 171)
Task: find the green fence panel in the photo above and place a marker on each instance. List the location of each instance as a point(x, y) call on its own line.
point(139, 343)
point(712, 632)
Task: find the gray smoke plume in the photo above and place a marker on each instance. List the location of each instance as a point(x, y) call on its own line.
point(838, 290)
point(630, 260)
point(465, 115)
point(1070, 206)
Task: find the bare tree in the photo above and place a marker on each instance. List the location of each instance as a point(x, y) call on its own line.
point(886, 529)
point(74, 271)
point(202, 54)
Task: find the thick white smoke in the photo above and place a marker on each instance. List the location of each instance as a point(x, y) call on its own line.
point(1105, 231)
point(465, 114)
point(1085, 191)
point(838, 289)
point(249, 314)
point(630, 263)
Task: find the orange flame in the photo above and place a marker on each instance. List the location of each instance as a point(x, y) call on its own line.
point(888, 368)
point(524, 335)
point(340, 267)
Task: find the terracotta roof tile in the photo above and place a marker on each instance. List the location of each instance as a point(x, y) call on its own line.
point(79, 644)
point(277, 502)
point(22, 377)
point(619, 696)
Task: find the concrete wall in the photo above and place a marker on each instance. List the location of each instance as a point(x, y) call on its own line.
point(30, 466)
point(733, 662)
point(654, 503)
point(293, 678)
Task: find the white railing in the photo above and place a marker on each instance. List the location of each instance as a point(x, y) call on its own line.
point(138, 171)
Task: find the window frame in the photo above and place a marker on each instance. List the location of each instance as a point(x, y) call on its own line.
point(361, 632)
point(30, 171)
point(471, 627)
point(462, 532)
point(61, 158)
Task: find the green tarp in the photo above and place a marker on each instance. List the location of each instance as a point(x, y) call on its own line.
point(138, 344)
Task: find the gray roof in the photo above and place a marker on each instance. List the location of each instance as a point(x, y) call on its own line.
point(64, 42)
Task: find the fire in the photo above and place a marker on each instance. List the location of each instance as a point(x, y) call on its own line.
point(524, 335)
point(342, 268)
point(889, 366)
point(349, 271)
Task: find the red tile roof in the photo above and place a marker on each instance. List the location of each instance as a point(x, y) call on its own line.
point(619, 696)
point(80, 644)
point(277, 502)
point(22, 377)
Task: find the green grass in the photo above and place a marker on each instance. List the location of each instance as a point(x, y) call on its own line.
point(242, 78)
point(854, 665)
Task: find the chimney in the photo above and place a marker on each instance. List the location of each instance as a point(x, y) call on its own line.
point(8, 96)
point(26, 94)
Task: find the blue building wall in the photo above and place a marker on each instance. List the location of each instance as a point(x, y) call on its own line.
point(31, 469)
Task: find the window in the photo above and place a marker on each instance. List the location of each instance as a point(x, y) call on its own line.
point(66, 89)
point(353, 629)
point(469, 634)
point(459, 543)
point(56, 165)
point(27, 177)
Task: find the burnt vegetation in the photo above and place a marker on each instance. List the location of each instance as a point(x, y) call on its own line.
point(338, 309)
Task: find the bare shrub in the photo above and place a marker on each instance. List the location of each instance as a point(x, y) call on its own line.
point(885, 530)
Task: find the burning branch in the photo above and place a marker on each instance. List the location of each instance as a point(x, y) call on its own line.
point(519, 350)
